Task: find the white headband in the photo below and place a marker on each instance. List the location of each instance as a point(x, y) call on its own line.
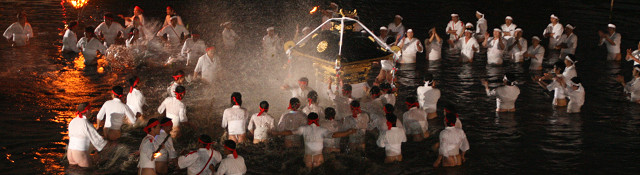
point(398, 16)
point(270, 29)
point(477, 12)
point(468, 25)
point(569, 58)
point(497, 29)
point(611, 26)
point(509, 18)
point(454, 15)
point(225, 23)
point(470, 31)
point(174, 17)
point(569, 26)
point(383, 28)
point(554, 16)
point(535, 38)
point(410, 30)
point(637, 69)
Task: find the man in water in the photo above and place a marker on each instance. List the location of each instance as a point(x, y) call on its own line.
point(137, 13)
point(175, 110)
point(506, 95)
point(557, 85)
point(271, 44)
point(167, 152)
point(495, 47)
point(570, 67)
point(385, 37)
point(396, 26)
point(193, 48)
point(452, 141)
point(331, 145)
point(115, 112)
point(341, 100)
point(235, 119)
point(415, 120)
point(455, 29)
point(632, 87)
point(90, 46)
point(575, 92)
point(517, 47)
point(428, 96)
point(553, 32)
point(171, 13)
point(508, 28)
point(314, 136)
point(19, 33)
point(468, 46)
point(232, 163)
point(410, 46)
point(535, 52)
point(261, 123)
point(207, 66)
point(178, 79)
point(135, 98)
point(109, 31)
point(612, 41)
point(229, 37)
point(568, 42)
point(301, 91)
point(357, 120)
point(314, 105)
point(433, 45)
point(148, 146)
point(391, 140)
point(634, 56)
point(481, 26)
point(70, 39)
point(291, 121)
point(81, 135)
point(201, 161)
point(175, 32)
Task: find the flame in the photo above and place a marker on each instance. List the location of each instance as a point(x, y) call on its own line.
point(156, 155)
point(314, 10)
point(78, 3)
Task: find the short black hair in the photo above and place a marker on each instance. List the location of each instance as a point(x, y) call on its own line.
point(374, 90)
point(386, 87)
point(164, 120)
point(230, 143)
point(82, 106)
point(346, 87)
point(205, 138)
point(178, 72)
point(72, 24)
point(576, 80)
point(109, 15)
point(151, 121)
point(329, 113)
point(389, 108)
point(510, 77)
point(427, 77)
point(118, 90)
point(238, 98)
point(573, 57)
point(312, 116)
point(411, 99)
point(560, 65)
point(132, 80)
point(180, 89)
point(89, 29)
point(294, 101)
point(305, 79)
point(392, 118)
point(264, 105)
point(313, 95)
point(355, 103)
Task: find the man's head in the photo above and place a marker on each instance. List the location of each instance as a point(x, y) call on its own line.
point(497, 33)
point(117, 92)
point(428, 78)
point(508, 20)
point(205, 141)
point(329, 113)
point(229, 144)
point(479, 15)
point(375, 92)
point(636, 70)
point(355, 104)
point(180, 91)
point(22, 17)
point(450, 115)
point(170, 10)
point(294, 104)
point(611, 28)
point(303, 83)
point(558, 67)
point(88, 31)
point(134, 81)
point(392, 118)
point(108, 18)
point(211, 51)
point(346, 90)
point(386, 88)
point(388, 108)
point(576, 82)
point(271, 31)
point(397, 20)
point(508, 78)
point(153, 127)
point(174, 21)
point(568, 29)
point(195, 35)
point(518, 33)
point(72, 25)
point(264, 105)
point(570, 60)
point(383, 31)
point(84, 108)
point(410, 33)
point(137, 10)
point(554, 19)
point(312, 96)
point(178, 76)
point(236, 98)
point(306, 30)
point(468, 33)
point(455, 17)
point(166, 124)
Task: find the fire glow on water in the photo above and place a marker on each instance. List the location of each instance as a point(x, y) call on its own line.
point(78, 3)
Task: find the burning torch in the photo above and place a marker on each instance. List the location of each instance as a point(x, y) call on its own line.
point(79, 4)
point(157, 153)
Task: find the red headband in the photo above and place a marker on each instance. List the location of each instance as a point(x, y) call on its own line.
point(385, 110)
point(209, 48)
point(138, 8)
point(302, 82)
point(355, 111)
point(234, 101)
point(309, 122)
point(310, 101)
point(169, 123)
point(208, 144)
point(389, 125)
point(79, 114)
point(109, 18)
point(411, 105)
point(177, 77)
point(117, 95)
point(291, 108)
point(135, 83)
point(262, 111)
point(180, 95)
point(445, 118)
point(147, 129)
point(235, 153)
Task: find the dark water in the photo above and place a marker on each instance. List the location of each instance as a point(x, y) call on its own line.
point(40, 86)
